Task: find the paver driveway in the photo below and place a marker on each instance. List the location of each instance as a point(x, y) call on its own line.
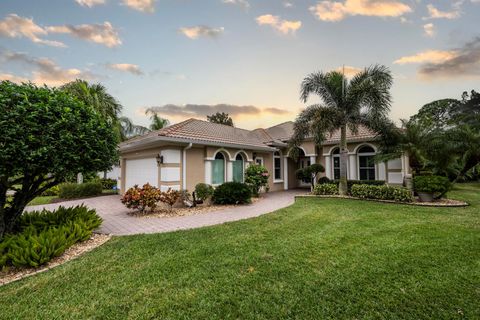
point(116, 220)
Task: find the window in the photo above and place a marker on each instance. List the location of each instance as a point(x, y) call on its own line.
point(366, 164)
point(336, 163)
point(218, 169)
point(259, 161)
point(238, 168)
point(277, 166)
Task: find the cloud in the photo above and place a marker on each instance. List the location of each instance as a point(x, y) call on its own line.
point(14, 26)
point(288, 4)
point(242, 3)
point(463, 61)
point(283, 26)
point(89, 3)
point(104, 34)
point(336, 11)
point(141, 5)
point(201, 31)
point(12, 78)
point(434, 13)
point(44, 70)
point(203, 110)
point(349, 71)
point(429, 30)
point(126, 67)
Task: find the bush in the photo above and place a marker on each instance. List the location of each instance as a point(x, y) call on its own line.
point(232, 193)
point(350, 183)
point(323, 180)
point(169, 197)
point(325, 189)
point(142, 198)
point(108, 184)
point(203, 191)
point(53, 191)
point(43, 235)
point(431, 184)
point(256, 176)
point(381, 192)
point(74, 190)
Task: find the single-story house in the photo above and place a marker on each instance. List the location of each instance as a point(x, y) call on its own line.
point(193, 151)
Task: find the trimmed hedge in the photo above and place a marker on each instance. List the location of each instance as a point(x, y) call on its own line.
point(73, 190)
point(108, 184)
point(431, 184)
point(203, 191)
point(350, 183)
point(53, 191)
point(43, 235)
point(326, 189)
point(382, 192)
point(232, 193)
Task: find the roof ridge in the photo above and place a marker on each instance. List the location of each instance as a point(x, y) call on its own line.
point(174, 127)
point(277, 125)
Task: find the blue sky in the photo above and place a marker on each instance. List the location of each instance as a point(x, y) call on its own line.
point(246, 57)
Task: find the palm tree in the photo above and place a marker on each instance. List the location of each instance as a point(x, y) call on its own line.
point(363, 100)
point(157, 121)
point(129, 130)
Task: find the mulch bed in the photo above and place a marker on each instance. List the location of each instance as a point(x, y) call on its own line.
point(416, 202)
point(14, 274)
point(162, 211)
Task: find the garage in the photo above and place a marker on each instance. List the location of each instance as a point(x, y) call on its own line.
point(141, 171)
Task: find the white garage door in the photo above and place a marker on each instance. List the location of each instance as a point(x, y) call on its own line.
point(141, 171)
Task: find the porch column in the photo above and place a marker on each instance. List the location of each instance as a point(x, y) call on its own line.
point(208, 172)
point(229, 171)
point(328, 166)
point(285, 173)
point(352, 161)
point(382, 172)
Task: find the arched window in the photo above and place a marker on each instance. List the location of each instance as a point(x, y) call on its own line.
point(336, 163)
point(218, 169)
point(277, 166)
point(238, 166)
point(366, 163)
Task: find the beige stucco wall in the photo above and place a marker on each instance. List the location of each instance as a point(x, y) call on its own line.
point(195, 167)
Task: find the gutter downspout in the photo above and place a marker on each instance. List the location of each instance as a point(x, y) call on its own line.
point(184, 166)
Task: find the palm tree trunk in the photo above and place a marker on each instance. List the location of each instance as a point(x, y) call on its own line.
point(342, 186)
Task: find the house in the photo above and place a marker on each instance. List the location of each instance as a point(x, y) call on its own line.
point(193, 151)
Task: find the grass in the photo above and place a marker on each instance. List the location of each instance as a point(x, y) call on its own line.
point(42, 200)
point(317, 259)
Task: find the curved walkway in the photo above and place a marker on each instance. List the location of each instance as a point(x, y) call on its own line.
point(116, 220)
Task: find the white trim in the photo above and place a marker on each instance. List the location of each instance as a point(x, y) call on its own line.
point(328, 166)
point(184, 166)
point(278, 181)
point(281, 166)
point(245, 155)
point(229, 168)
point(352, 164)
point(366, 154)
point(355, 151)
point(222, 150)
point(261, 158)
point(304, 152)
point(285, 173)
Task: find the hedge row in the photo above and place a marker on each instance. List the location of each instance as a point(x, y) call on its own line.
point(74, 190)
point(232, 193)
point(43, 235)
point(382, 193)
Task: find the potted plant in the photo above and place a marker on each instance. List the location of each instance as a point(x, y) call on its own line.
point(431, 187)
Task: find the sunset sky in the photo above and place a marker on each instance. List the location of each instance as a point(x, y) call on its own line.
point(245, 57)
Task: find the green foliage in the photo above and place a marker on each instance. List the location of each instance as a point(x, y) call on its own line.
point(43, 235)
point(108, 184)
point(310, 173)
point(381, 192)
point(73, 190)
point(203, 191)
point(157, 122)
point(324, 180)
point(221, 118)
point(350, 183)
point(53, 191)
point(326, 189)
point(142, 198)
point(46, 135)
point(431, 184)
point(232, 193)
point(169, 197)
point(256, 176)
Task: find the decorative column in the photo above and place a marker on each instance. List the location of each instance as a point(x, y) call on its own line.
point(352, 164)
point(382, 175)
point(229, 171)
point(285, 173)
point(328, 166)
point(208, 172)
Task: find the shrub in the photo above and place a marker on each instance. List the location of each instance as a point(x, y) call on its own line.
point(74, 190)
point(232, 193)
point(203, 191)
point(53, 191)
point(169, 197)
point(431, 184)
point(142, 198)
point(256, 176)
point(324, 180)
point(325, 189)
point(43, 235)
point(381, 192)
point(350, 183)
point(108, 184)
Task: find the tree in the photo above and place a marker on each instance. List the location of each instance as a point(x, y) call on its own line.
point(221, 118)
point(157, 121)
point(47, 134)
point(310, 173)
point(364, 100)
point(129, 130)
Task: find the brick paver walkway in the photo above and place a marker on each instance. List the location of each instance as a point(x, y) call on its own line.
point(116, 220)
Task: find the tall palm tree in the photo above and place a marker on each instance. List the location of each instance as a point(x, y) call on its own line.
point(157, 121)
point(363, 100)
point(129, 130)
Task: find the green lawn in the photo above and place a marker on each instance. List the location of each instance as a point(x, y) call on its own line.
point(42, 200)
point(318, 259)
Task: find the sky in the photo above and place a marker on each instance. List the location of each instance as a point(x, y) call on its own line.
point(187, 58)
